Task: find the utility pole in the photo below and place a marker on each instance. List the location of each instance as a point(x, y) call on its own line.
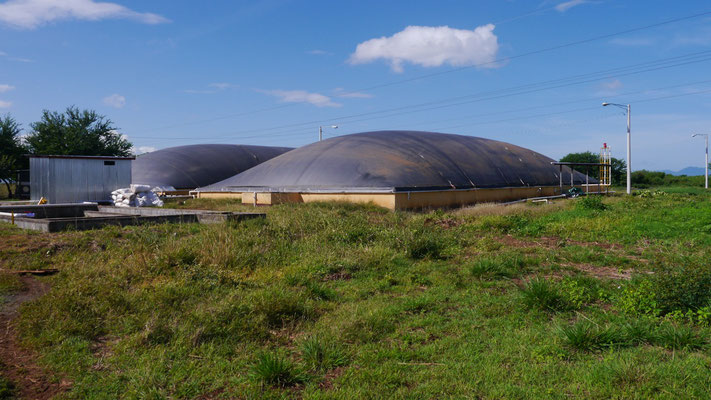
point(706, 166)
point(628, 110)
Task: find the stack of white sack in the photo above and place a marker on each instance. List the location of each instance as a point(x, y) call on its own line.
point(136, 196)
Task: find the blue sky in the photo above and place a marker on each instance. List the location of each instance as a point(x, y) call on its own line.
point(270, 72)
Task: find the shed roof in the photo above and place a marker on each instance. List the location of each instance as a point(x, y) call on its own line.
point(392, 161)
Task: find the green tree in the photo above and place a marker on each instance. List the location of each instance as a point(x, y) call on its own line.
point(618, 166)
point(76, 132)
point(11, 151)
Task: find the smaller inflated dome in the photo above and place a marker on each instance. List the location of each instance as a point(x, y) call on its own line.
point(192, 166)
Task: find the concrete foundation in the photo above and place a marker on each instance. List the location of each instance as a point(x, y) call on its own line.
point(60, 217)
point(403, 200)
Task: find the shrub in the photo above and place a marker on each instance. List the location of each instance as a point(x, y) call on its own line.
point(273, 369)
point(682, 290)
point(321, 355)
point(593, 203)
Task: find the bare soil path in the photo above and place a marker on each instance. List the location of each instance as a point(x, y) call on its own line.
point(18, 363)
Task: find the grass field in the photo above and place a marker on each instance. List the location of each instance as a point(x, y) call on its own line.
point(576, 299)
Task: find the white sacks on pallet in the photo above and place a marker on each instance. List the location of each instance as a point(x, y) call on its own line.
point(136, 196)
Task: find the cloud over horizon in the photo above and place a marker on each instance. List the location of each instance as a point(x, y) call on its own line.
point(302, 96)
point(30, 14)
point(5, 104)
point(431, 46)
point(567, 5)
point(5, 88)
point(115, 100)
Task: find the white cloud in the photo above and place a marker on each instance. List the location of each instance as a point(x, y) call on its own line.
point(318, 52)
point(632, 41)
point(5, 104)
point(144, 149)
point(30, 14)
point(115, 101)
point(340, 92)
point(612, 85)
point(430, 46)
point(5, 88)
point(222, 85)
point(2, 54)
point(216, 87)
point(567, 5)
point(302, 96)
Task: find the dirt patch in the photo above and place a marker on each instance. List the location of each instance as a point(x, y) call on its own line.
point(332, 375)
point(211, 395)
point(445, 223)
point(551, 242)
point(602, 272)
point(337, 276)
point(31, 381)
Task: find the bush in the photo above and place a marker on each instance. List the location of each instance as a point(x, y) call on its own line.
point(593, 203)
point(682, 290)
point(273, 369)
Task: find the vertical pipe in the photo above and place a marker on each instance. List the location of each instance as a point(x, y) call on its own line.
point(560, 177)
point(629, 152)
point(320, 133)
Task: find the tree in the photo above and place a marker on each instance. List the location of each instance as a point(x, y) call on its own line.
point(11, 151)
point(76, 132)
point(618, 166)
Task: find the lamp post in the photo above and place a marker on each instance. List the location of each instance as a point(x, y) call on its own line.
point(706, 173)
point(629, 143)
point(320, 131)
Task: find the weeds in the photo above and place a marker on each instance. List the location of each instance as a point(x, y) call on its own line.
point(593, 203)
point(544, 295)
point(273, 369)
point(320, 355)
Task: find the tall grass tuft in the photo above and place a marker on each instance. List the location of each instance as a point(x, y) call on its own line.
point(321, 355)
point(585, 336)
point(679, 337)
point(275, 370)
point(543, 295)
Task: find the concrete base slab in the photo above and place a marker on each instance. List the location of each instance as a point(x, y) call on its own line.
point(93, 216)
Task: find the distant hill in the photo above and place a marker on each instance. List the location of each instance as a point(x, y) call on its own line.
point(688, 171)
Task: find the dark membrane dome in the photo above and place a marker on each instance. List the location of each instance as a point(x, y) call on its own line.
point(192, 166)
point(392, 161)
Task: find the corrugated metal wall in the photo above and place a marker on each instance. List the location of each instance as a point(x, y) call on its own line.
point(73, 180)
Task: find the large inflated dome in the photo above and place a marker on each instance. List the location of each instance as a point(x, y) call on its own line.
point(192, 166)
point(393, 161)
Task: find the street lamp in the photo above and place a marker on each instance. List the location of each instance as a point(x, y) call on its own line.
point(706, 174)
point(629, 143)
point(320, 131)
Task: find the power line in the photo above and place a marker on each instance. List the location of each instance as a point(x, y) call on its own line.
point(637, 68)
point(500, 60)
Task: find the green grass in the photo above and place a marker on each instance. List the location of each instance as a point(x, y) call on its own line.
point(323, 301)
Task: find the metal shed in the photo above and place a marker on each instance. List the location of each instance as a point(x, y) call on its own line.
point(74, 179)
